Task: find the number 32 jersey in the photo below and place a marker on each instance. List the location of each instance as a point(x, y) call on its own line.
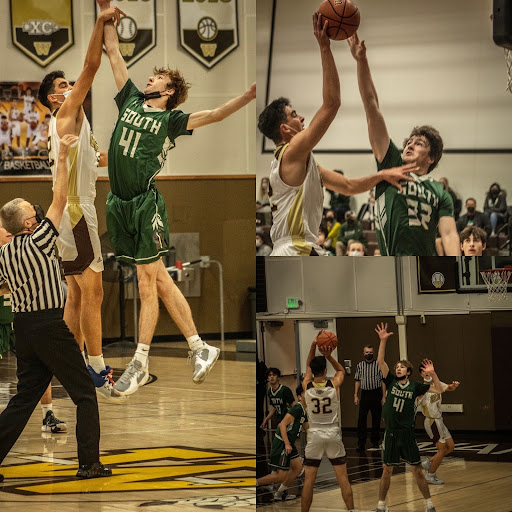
point(323, 405)
point(407, 221)
point(142, 137)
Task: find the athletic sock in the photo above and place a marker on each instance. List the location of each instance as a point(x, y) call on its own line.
point(282, 488)
point(83, 355)
point(46, 408)
point(429, 503)
point(381, 505)
point(97, 363)
point(141, 354)
point(195, 342)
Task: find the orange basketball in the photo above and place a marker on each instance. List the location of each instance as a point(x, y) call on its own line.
point(33, 125)
point(326, 339)
point(343, 18)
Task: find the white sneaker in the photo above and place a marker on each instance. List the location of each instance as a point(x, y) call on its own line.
point(426, 465)
point(383, 509)
point(132, 378)
point(202, 360)
point(104, 385)
point(432, 479)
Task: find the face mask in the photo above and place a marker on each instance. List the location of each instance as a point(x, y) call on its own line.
point(355, 253)
point(427, 379)
point(350, 221)
point(403, 377)
point(471, 209)
point(258, 243)
point(39, 213)
point(495, 192)
point(292, 129)
point(156, 94)
point(65, 94)
point(368, 357)
point(329, 219)
point(264, 186)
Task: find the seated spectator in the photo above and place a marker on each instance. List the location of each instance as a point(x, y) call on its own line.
point(355, 248)
point(376, 252)
point(338, 202)
point(457, 203)
point(352, 229)
point(263, 200)
point(263, 243)
point(495, 206)
point(322, 239)
point(333, 229)
point(473, 217)
point(473, 241)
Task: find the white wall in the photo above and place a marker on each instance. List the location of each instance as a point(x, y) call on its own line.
point(432, 62)
point(225, 148)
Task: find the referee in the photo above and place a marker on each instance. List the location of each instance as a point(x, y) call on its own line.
point(369, 378)
point(44, 344)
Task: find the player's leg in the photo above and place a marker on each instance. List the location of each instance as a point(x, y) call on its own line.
point(310, 472)
point(203, 355)
point(390, 457)
point(50, 422)
point(272, 478)
point(421, 481)
point(340, 471)
point(335, 451)
point(72, 311)
point(295, 464)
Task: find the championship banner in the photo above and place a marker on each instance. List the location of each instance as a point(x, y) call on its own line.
point(42, 29)
point(137, 30)
point(437, 274)
point(208, 30)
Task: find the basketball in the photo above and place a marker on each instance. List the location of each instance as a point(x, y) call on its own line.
point(33, 125)
point(326, 339)
point(342, 16)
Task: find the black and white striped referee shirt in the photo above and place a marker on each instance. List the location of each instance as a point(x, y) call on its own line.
point(369, 374)
point(31, 268)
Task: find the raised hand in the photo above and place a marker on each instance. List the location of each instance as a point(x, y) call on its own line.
point(66, 142)
point(112, 14)
point(326, 350)
point(382, 331)
point(397, 174)
point(357, 48)
point(251, 92)
point(428, 367)
point(455, 384)
point(320, 30)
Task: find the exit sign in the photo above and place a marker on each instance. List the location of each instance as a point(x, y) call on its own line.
point(293, 303)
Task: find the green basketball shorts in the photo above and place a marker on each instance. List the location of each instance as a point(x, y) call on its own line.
point(398, 446)
point(278, 457)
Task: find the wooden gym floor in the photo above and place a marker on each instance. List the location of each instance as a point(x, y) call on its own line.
point(174, 446)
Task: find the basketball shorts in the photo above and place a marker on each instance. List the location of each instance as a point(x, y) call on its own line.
point(138, 228)
point(278, 457)
point(287, 247)
point(400, 446)
point(15, 130)
point(436, 430)
point(325, 440)
point(79, 243)
point(5, 138)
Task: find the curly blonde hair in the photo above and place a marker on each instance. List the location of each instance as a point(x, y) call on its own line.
point(178, 83)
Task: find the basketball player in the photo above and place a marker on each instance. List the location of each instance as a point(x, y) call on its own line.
point(79, 243)
point(322, 398)
point(399, 413)
point(430, 404)
point(296, 180)
point(145, 131)
point(279, 396)
point(407, 220)
point(473, 241)
point(284, 457)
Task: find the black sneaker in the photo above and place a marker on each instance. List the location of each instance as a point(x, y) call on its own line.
point(96, 470)
point(53, 424)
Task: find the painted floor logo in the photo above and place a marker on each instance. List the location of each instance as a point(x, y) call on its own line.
point(209, 502)
point(142, 469)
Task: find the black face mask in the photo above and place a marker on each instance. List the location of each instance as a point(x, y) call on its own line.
point(471, 209)
point(151, 95)
point(495, 192)
point(40, 215)
point(368, 357)
point(403, 377)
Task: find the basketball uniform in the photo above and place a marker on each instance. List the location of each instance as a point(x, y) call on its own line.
point(136, 213)
point(296, 211)
point(78, 243)
point(32, 117)
point(278, 457)
point(280, 399)
point(399, 414)
point(430, 405)
point(324, 433)
point(406, 222)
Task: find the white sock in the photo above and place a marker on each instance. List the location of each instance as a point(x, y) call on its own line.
point(97, 363)
point(381, 505)
point(83, 355)
point(46, 408)
point(282, 488)
point(429, 503)
point(195, 342)
point(141, 354)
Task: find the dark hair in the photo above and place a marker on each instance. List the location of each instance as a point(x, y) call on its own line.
point(265, 237)
point(272, 117)
point(178, 83)
point(470, 199)
point(478, 234)
point(275, 371)
point(495, 185)
point(299, 390)
point(434, 139)
point(47, 87)
point(405, 363)
point(323, 228)
point(318, 365)
point(368, 346)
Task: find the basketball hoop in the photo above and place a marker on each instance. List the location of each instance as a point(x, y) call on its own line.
point(508, 60)
point(496, 280)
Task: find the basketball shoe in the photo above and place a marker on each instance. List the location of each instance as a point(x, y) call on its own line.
point(53, 424)
point(432, 479)
point(133, 377)
point(426, 465)
point(284, 496)
point(384, 509)
point(431, 509)
point(96, 470)
point(104, 385)
point(202, 360)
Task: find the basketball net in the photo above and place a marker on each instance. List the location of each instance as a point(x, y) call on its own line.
point(508, 60)
point(496, 281)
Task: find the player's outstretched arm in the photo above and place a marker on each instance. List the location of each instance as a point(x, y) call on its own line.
point(60, 187)
point(382, 332)
point(111, 41)
point(339, 376)
point(449, 236)
point(436, 386)
point(453, 386)
point(349, 187)
point(377, 130)
point(204, 117)
point(308, 377)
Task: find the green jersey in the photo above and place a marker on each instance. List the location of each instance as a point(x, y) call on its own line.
point(293, 429)
point(142, 137)
point(6, 315)
point(280, 399)
point(406, 221)
point(399, 411)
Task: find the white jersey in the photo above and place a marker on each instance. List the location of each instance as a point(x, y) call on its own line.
point(323, 405)
point(296, 211)
point(27, 104)
point(430, 404)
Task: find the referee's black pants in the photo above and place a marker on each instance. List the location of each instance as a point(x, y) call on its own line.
point(371, 401)
point(46, 347)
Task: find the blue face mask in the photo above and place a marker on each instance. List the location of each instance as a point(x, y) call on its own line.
point(65, 94)
point(427, 379)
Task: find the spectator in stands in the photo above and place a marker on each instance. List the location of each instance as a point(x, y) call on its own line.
point(352, 229)
point(322, 238)
point(376, 252)
point(457, 203)
point(473, 241)
point(495, 206)
point(473, 217)
point(263, 243)
point(355, 248)
point(339, 203)
point(333, 229)
point(263, 199)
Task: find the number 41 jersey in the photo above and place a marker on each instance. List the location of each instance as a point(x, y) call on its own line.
point(141, 139)
point(323, 404)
